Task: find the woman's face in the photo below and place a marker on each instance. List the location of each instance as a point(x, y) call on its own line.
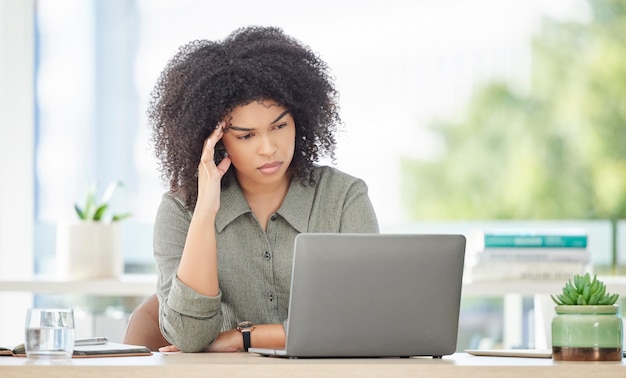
point(260, 141)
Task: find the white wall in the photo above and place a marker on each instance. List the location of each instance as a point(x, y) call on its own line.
point(16, 159)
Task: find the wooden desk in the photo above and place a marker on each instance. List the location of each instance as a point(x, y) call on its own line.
point(251, 365)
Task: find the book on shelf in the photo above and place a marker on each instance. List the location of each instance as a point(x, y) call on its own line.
point(541, 238)
point(507, 271)
point(85, 351)
point(534, 254)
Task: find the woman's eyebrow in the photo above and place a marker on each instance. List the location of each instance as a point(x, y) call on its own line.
point(240, 128)
point(280, 116)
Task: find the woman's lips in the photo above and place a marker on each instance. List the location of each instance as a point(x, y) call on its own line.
point(270, 168)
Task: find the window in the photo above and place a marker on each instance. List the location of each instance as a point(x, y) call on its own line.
point(398, 64)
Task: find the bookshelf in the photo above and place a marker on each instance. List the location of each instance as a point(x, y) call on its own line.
point(615, 284)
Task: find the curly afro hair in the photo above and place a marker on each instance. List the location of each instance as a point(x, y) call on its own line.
point(206, 80)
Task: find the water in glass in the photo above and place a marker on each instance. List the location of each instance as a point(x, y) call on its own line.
point(49, 333)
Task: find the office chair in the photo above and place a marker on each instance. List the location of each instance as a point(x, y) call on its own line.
point(143, 325)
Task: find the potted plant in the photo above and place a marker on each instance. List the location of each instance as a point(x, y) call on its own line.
point(95, 210)
point(92, 246)
point(587, 325)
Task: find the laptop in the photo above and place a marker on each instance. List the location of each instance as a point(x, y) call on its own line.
point(373, 295)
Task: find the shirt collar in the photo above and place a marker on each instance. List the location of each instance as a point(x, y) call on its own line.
point(297, 205)
point(295, 209)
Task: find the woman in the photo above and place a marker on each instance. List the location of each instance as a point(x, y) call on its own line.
point(238, 126)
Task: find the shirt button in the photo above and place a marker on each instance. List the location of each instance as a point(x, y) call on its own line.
point(270, 295)
point(267, 256)
point(273, 217)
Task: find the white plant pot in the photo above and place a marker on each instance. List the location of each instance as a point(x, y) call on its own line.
point(89, 250)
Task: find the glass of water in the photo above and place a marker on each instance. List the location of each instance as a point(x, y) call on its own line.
point(49, 333)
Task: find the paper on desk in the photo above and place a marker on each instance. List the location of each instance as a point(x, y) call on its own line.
point(526, 353)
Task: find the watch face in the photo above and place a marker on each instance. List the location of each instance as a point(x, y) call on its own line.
point(245, 325)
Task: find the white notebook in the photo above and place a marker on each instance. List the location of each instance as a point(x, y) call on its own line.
point(528, 353)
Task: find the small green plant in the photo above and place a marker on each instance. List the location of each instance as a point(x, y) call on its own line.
point(583, 290)
point(96, 209)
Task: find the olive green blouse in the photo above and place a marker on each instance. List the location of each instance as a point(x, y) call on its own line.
point(254, 266)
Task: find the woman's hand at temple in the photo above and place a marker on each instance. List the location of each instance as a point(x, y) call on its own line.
point(209, 174)
point(198, 265)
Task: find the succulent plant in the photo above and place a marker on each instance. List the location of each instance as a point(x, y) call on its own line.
point(96, 209)
point(582, 290)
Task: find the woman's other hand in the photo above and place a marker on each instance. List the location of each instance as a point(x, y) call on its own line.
point(168, 348)
point(227, 341)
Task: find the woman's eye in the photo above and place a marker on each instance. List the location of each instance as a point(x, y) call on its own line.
point(281, 126)
point(245, 136)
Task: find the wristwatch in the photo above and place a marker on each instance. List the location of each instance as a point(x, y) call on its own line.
point(246, 328)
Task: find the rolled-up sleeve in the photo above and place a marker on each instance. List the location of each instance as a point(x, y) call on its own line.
point(187, 319)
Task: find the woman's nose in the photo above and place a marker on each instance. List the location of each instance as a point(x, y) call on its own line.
point(266, 146)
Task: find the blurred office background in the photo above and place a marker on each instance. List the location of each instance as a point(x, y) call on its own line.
point(456, 113)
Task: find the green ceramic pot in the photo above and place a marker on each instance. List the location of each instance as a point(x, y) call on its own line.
point(587, 333)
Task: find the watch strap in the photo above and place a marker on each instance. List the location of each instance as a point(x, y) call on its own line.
point(246, 339)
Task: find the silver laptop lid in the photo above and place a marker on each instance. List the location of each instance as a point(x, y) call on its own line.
point(375, 295)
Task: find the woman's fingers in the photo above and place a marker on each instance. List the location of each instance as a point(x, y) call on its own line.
point(168, 348)
point(224, 165)
point(210, 174)
point(208, 150)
